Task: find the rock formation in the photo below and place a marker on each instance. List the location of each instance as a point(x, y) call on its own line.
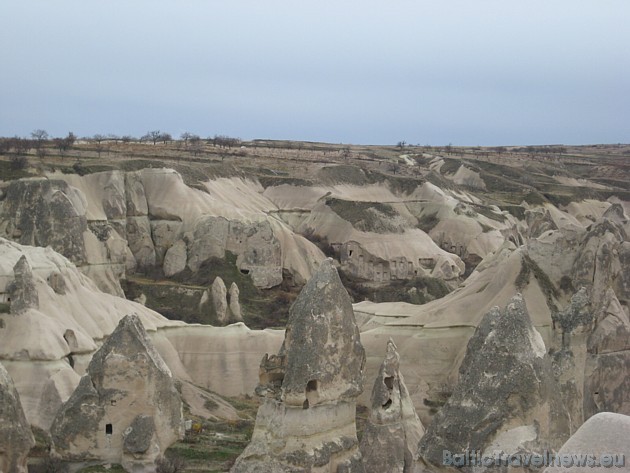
point(307, 418)
point(219, 301)
point(126, 408)
point(175, 259)
point(235, 304)
point(393, 431)
point(604, 433)
point(22, 290)
point(506, 398)
point(16, 438)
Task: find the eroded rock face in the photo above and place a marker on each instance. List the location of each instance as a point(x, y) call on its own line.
point(393, 430)
point(307, 419)
point(46, 212)
point(16, 438)
point(22, 290)
point(506, 397)
point(126, 408)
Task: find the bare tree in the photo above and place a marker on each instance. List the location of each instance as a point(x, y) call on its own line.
point(153, 136)
point(185, 137)
point(196, 145)
point(39, 137)
point(165, 138)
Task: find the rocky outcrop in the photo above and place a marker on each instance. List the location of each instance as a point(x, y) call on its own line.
point(506, 397)
point(307, 418)
point(393, 431)
point(22, 291)
point(52, 212)
point(126, 408)
point(219, 301)
point(235, 304)
point(16, 438)
point(175, 259)
point(257, 249)
point(46, 212)
point(539, 221)
point(605, 433)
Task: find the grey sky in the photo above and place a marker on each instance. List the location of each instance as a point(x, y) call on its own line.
point(429, 72)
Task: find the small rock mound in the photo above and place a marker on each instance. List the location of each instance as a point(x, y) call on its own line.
point(393, 430)
point(604, 433)
point(16, 438)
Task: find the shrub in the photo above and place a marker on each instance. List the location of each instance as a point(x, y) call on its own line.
point(170, 464)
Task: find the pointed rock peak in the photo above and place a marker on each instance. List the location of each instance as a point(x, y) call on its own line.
point(16, 438)
point(128, 339)
point(511, 329)
point(322, 345)
point(324, 289)
point(393, 430)
point(22, 268)
point(391, 354)
point(386, 393)
point(505, 377)
point(23, 291)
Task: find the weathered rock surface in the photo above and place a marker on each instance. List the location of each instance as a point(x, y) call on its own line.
point(235, 304)
point(140, 242)
point(219, 301)
point(22, 291)
point(126, 408)
point(393, 431)
point(506, 397)
point(53, 212)
point(604, 433)
point(46, 212)
point(175, 259)
point(307, 419)
point(16, 438)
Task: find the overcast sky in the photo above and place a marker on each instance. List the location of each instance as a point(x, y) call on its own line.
point(470, 72)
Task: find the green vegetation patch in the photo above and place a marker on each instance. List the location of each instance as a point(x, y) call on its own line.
point(516, 210)
point(450, 166)
point(274, 181)
point(10, 171)
point(419, 290)
point(427, 222)
point(366, 216)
